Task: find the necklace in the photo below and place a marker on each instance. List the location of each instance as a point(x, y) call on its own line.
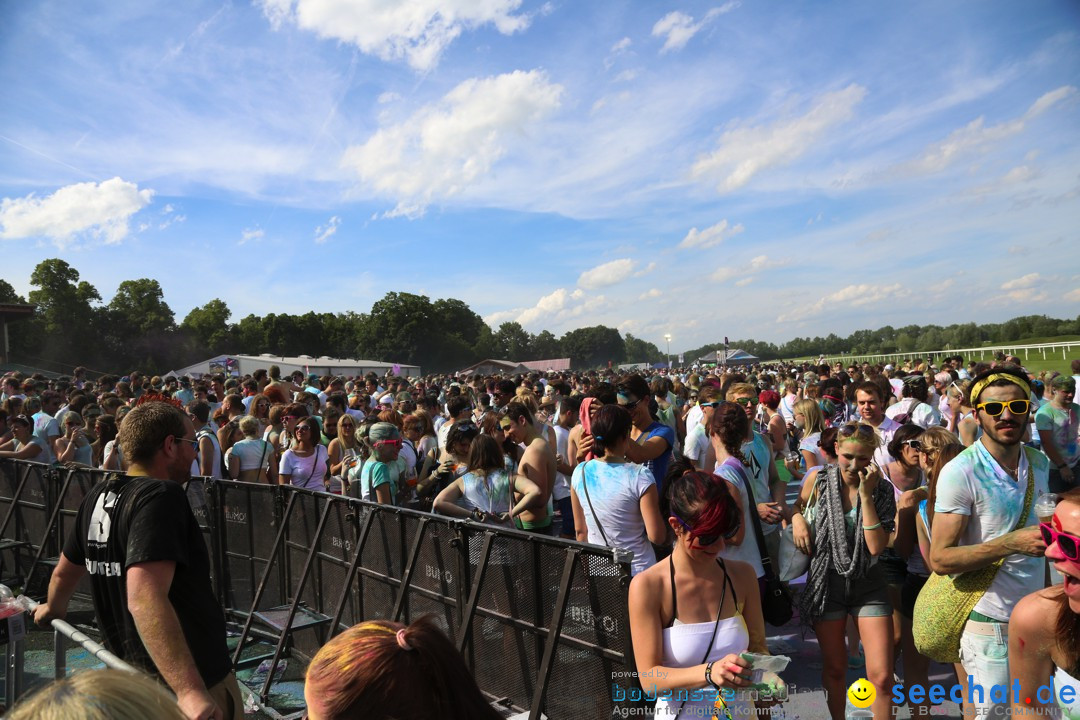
point(1011, 471)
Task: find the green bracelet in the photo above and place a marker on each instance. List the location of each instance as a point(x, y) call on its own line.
point(871, 527)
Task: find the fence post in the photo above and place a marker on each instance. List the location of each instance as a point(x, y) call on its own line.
point(361, 540)
point(557, 614)
point(406, 575)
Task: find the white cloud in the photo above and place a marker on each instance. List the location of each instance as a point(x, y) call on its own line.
point(852, 296)
point(101, 210)
point(710, 236)
point(324, 232)
point(551, 310)
point(645, 270)
point(756, 265)
point(621, 45)
point(1073, 295)
point(250, 234)
point(388, 97)
point(1027, 281)
point(443, 147)
point(745, 151)
point(677, 28)
point(976, 136)
point(417, 31)
point(609, 273)
point(653, 293)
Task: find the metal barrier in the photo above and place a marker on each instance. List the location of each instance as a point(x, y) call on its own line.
point(542, 622)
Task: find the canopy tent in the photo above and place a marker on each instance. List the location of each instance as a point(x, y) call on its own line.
point(732, 357)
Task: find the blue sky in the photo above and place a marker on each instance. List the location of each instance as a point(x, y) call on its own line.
point(746, 169)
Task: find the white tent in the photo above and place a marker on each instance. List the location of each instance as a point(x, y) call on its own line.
point(237, 365)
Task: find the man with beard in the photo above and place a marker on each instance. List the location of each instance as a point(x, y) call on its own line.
point(149, 569)
point(985, 513)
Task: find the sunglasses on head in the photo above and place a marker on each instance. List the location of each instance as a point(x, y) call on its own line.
point(852, 429)
point(391, 443)
point(1068, 543)
point(709, 539)
point(466, 426)
point(995, 408)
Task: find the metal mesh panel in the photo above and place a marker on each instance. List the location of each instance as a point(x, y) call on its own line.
point(595, 619)
point(247, 537)
point(513, 617)
point(380, 564)
point(436, 582)
point(506, 655)
point(32, 514)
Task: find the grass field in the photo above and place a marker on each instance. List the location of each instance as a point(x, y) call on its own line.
point(1033, 360)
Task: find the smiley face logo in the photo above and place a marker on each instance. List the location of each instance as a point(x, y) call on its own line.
point(861, 693)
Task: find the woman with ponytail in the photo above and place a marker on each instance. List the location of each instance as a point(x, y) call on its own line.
point(727, 432)
point(693, 614)
point(382, 670)
point(615, 501)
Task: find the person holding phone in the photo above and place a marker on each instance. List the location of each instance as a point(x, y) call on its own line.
point(73, 445)
point(854, 512)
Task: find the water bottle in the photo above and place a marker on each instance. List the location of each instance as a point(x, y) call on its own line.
point(9, 604)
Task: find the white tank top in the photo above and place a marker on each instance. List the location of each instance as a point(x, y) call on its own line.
point(1062, 679)
point(684, 646)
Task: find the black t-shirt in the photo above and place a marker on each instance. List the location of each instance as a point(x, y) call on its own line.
point(128, 520)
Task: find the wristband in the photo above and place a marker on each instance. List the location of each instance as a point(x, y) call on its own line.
point(708, 675)
point(871, 527)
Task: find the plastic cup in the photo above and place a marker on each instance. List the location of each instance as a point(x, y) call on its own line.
point(1044, 506)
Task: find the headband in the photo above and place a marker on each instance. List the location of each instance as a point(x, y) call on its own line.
point(979, 386)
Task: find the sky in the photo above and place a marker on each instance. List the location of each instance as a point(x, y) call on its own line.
point(694, 169)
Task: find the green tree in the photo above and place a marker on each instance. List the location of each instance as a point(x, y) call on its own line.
point(516, 341)
point(140, 307)
point(638, 351)
point(545, 346)
point(66, 317)
point(590, 347)
point(208, 326)
point(457, 319)
point(400, 328)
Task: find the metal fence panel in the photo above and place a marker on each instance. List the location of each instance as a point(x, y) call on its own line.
point(543, 626)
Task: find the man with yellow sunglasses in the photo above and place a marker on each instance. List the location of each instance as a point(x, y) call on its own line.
point(985, 513)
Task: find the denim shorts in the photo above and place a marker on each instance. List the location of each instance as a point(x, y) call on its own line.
point(984, 653)
point(867, 596)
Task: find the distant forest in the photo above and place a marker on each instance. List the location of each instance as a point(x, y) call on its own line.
point(138, 330)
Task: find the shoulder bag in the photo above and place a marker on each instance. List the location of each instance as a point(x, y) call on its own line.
point(945, 602)
point(776, 599)
point(793, 562)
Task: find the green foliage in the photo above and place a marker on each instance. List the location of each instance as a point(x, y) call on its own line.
point(595, 346)
point(208, 326)
point(137, 329)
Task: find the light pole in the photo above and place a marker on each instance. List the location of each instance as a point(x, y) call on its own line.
point(668, 338)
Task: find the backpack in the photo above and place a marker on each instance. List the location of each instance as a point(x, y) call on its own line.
point(906, 418)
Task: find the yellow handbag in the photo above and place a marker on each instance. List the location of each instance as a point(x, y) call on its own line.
point(944, 603)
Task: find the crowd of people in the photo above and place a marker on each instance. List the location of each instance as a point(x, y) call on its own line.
point(909, 477)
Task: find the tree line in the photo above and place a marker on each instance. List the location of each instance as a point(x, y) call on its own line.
point(138, 329)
